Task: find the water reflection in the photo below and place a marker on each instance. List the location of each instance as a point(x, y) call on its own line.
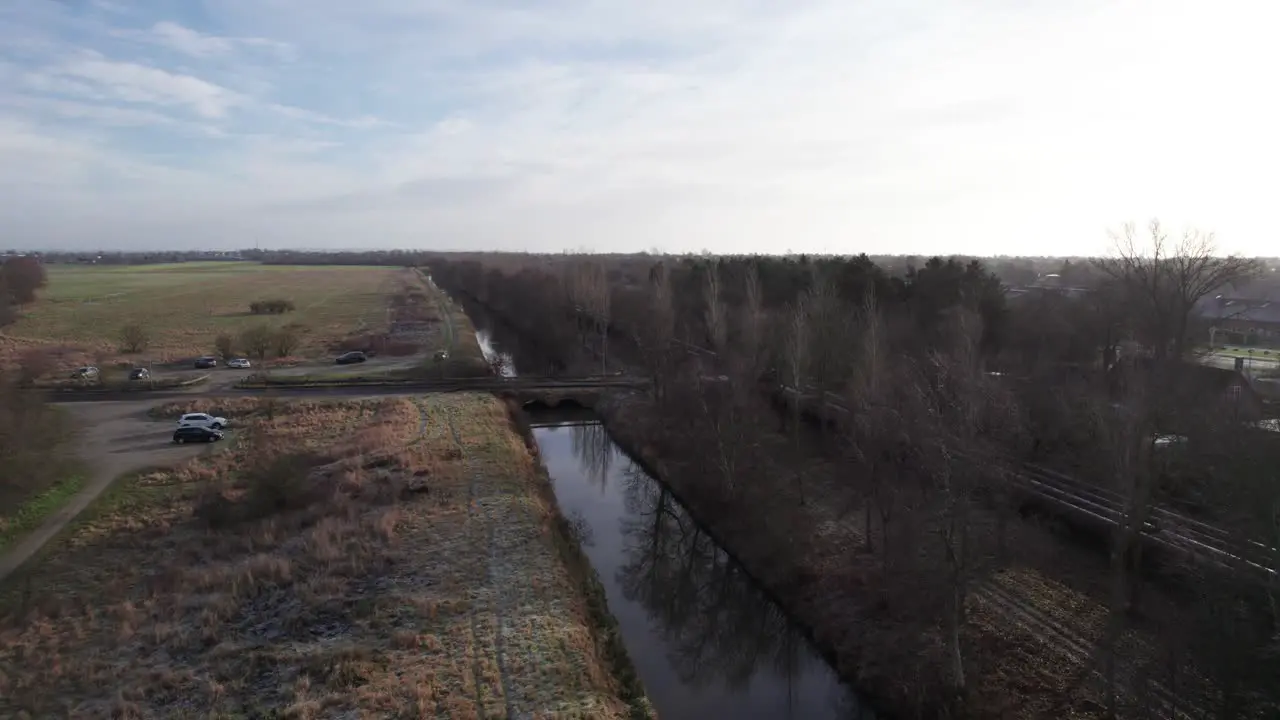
point(595, 450)
point(705, 641)
point(719, 627)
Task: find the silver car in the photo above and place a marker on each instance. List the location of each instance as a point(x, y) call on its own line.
point(238, 364)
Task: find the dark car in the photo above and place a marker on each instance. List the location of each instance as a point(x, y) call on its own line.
point(191, 433)
point(355, 356)
point(139, 374)
point(206, 362)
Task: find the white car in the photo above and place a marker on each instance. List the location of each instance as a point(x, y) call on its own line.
point(238, 364)
point(204, 420)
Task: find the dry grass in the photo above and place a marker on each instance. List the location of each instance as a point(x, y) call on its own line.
point(185, 306)
point(412, 571)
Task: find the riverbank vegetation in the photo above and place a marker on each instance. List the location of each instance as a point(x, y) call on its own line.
point(396, 557)
point(904, 521)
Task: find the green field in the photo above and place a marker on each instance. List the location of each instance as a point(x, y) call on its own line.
point(185, 306)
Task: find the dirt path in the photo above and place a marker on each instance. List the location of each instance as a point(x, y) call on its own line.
point(115, 438)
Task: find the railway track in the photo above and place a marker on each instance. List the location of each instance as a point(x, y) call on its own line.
point(1165, 530)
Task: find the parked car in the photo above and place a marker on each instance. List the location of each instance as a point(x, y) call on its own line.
point(139, 374)
point(85, 373)
point(192, 433)
point(204, 420)
point(205, 362)
point(350, 358)
point(238, 364)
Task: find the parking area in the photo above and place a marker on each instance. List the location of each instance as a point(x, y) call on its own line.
point(113, 438)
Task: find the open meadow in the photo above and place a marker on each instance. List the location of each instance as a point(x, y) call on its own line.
point(184, 307)
point(392, 558)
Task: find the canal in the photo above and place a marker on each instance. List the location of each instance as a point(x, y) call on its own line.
point(706, 642)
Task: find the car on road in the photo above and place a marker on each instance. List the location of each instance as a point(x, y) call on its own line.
point(206, 361)
point(351, 358)
point(204, 420)
point(192, 433)
point(87, 372)
point(139, 374)
point(238, 364)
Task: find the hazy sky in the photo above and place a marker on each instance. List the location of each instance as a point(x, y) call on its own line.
point(884, 126)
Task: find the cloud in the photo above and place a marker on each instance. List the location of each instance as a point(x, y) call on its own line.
point(886, 126)
point(95, 77)
point(187, 41)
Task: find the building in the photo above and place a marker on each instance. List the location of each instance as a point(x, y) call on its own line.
point(1242, 321)
point(1209, 392)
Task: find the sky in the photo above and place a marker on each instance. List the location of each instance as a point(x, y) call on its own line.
point(986, 127)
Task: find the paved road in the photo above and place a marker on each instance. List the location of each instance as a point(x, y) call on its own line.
point(223, 378)
point(115, 438)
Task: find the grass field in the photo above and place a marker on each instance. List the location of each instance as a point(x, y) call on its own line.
point(28, 514)
point(392, 558)
point(185, 306)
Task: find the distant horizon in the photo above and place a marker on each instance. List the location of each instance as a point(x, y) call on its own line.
point(652, 253)
point(821, 126)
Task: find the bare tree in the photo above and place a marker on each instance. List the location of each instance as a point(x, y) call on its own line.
point(1164, 280)
point(731, 430)
point(751, 328)
point(797, 357)
point(713, 309)
point(134, 338)
point(874, 423)
point(286, 339)
point(257, 341)
point(588, 288)
point(224, 345)
point(829, 337)
point(661, 329)
point(965, 416)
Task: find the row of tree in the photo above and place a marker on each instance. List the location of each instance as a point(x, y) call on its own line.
point(929, 434)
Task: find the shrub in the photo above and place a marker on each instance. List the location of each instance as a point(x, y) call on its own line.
point(34, 364)
point(277, 306)
point(257, 341)
point(274, 485)
point(225, 346)
point(134, 338)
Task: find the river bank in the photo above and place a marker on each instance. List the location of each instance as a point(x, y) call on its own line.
point(703, 636)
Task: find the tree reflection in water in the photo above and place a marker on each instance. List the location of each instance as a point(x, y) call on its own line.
point(718, 625)
point(594, 449)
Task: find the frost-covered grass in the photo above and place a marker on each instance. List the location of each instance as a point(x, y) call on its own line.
point(401, 560)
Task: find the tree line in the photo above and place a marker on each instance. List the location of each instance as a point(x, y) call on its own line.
point(947, 386)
